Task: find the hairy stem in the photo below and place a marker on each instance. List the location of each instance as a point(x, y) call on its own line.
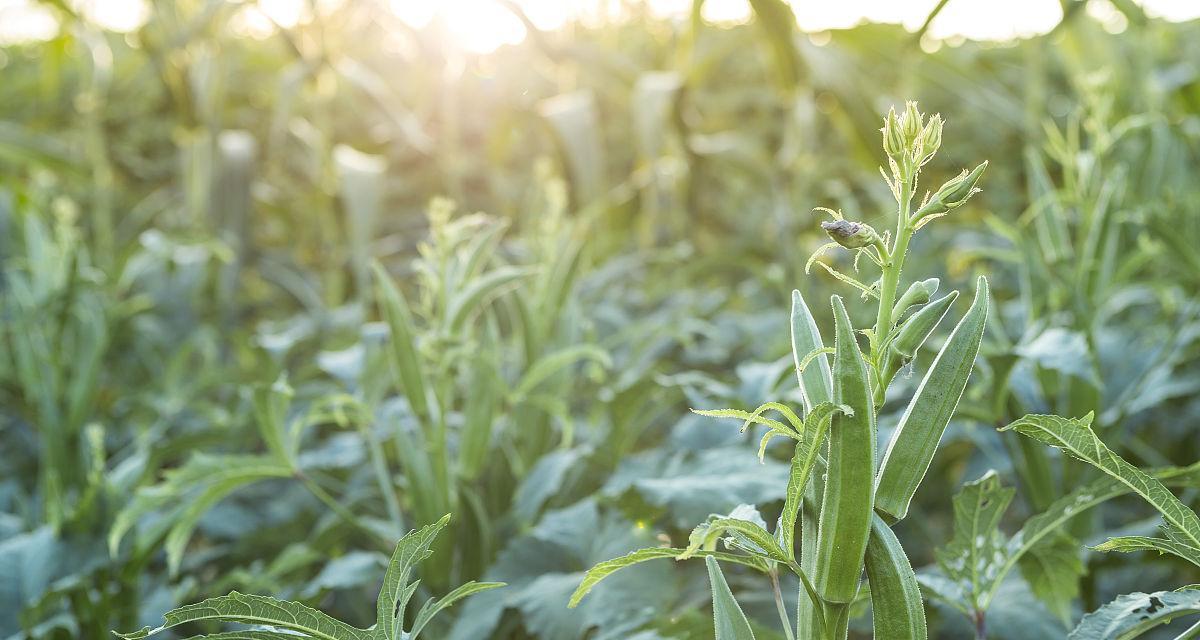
point(890, 279)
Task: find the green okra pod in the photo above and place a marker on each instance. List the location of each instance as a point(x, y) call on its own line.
point(897, 611)
point(846, 507)
point(912, 334)
point(918, 293)
point(916, 437)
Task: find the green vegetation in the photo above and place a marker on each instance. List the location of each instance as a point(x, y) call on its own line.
point(269, 305)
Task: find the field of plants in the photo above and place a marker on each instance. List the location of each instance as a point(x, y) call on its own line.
point(645, 328)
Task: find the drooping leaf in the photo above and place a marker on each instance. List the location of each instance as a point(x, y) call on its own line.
point(1076, 438)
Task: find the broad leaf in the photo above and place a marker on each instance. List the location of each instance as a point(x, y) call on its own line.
point(974, 556)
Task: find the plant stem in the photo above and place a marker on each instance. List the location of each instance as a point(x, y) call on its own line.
point(783, 616)
point(891, 270)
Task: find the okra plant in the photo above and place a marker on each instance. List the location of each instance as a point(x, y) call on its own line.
point(841, 497)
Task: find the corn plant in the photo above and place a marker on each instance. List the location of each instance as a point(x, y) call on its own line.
point(839, 504)
point(275, 619)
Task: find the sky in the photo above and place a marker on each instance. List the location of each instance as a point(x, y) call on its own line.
point(481, 26)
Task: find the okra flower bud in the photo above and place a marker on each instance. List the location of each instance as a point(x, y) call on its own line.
point(931, 138)
point(852, 235)
point(893, 137)
point(954, 193)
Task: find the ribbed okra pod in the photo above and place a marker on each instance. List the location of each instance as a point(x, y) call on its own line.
point(816, 386)
point(916, 437)
point(846, 506)
point(897, 612)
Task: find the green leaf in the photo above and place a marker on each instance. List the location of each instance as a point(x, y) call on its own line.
point(729, 622)
point(976, 551)
point(916, 438)
point(396, 589)
point(1133, 614)
point(270, 412)
point(405, 361)
point(815, 376)
point(749, 535)
point(250, 609)
point(1052, 570)
point(609, 567)
point(1127, 544)
point(1076, 438)
point(804, 460)
point(548, 365)
point(435, 605)
point(479, 292)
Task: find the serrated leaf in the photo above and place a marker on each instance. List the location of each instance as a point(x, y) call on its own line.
point(251, 609)
point(1133, 614)
point(804, 460)
point(729, 622)
point(395, 592)
point(1076, 438)
point(1128, 544)
point(750, 536)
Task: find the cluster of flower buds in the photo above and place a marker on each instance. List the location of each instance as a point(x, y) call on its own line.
point(953, 194)
point(852, 235)
point(909, 140)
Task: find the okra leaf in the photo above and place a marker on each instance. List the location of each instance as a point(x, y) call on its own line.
point(747, 531)
point(1170, 545)
point(395, 592)
point(816, 423)
point(433, 606)
point(1052, 570)
point(1076, 438)
point(729, 622)
point(251, 609)
point(1133, 614)
point(609, 567)
point(975, 554)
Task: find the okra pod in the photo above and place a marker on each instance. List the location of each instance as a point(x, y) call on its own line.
point(917, 293)
point(916, 437)
point(846, 507)
point(912, 334)
point(897, 612)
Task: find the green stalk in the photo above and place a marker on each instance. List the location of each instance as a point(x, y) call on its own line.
point(892, 266)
